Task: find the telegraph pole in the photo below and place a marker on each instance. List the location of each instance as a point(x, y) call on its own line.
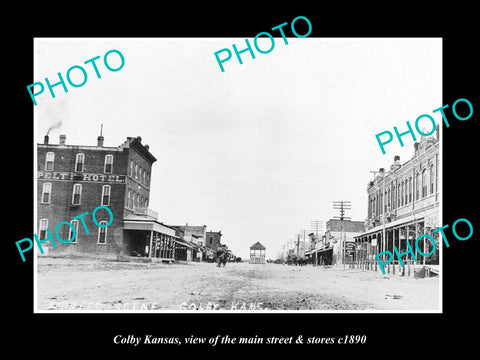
point(342, 206)
point(298, 243)
point(315, 225)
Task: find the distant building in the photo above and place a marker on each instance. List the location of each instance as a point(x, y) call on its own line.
point(257, 253)
point(405, 201)
point(196, 237)
point(213, 239)
point(341, 233)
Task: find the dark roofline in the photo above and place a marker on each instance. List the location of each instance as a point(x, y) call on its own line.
point(89, 147)
point(258, 246)
point(137, 145)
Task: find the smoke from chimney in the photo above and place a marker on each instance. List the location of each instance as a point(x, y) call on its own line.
point(54, 126)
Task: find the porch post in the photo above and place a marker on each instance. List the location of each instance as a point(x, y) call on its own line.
point(151, 244)
point(393, 261)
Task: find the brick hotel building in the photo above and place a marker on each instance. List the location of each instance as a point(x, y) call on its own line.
point(74, 179)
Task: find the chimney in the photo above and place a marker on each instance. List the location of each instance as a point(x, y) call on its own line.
point(62, 139)
point(45, 140)
point(396, 158)
point(100, 138)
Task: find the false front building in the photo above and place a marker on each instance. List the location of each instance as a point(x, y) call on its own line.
point(76, 179)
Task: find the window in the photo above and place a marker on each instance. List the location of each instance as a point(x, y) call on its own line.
point(102, 233)
point(108, 164)
point(50, 158)
point(106, 195)
point(432, 179)
point(140, 174)
point(129, 198)
point(144, 178)
point(130, 170)
point(77, 194)
point(401, 193)
point(79, 162)
point(385, 199)
point(417, 186)
point(410, 189)
point(136, 172)
point(70, 234)
point(393, 197)
point(46, 192)
point(380, 204)
point(406, 192)
point(42, 229)
point(424, 183)
point(211, 240)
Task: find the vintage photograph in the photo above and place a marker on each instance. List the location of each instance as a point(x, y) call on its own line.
point(303, 179)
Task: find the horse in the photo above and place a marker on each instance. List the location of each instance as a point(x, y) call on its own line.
point(221, 259)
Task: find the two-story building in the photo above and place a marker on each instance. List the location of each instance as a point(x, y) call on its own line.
point(403, 203)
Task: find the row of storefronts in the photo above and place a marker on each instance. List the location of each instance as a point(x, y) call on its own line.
point(403, 203)
point(72, 180)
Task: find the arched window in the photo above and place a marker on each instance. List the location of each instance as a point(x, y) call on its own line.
point(417, 186)
point(77, 194)
point(106, 195)
point(432, 179)
point(394, 197)
point(410, 189)
point(389, 207)
point(42, 229)
point(49, 161)
point(424, 183)
point(402, 187)
point(79, 161)
point(46, 192)
point(399, 190)
point(108, 164)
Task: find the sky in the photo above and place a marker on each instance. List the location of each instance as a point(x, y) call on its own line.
point(260, 150)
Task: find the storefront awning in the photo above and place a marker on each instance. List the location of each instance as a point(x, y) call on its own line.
point(183, 242)
point(145, 222)
point(408, 220)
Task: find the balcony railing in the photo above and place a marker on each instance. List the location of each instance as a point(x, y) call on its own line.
point(145, 211)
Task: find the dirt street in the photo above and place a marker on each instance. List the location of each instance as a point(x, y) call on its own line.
point(93, 285)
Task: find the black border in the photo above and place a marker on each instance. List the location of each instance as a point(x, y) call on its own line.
point(387, 334)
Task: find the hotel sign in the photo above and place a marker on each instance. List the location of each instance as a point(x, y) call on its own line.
point(69, 176)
